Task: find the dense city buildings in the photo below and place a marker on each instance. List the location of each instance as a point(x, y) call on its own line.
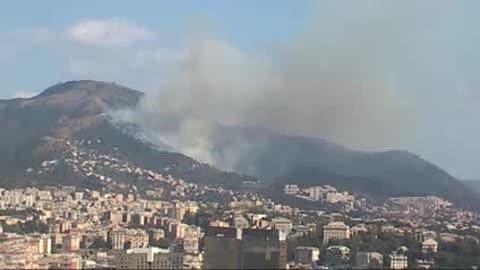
point(150, 258)
point(75, 228)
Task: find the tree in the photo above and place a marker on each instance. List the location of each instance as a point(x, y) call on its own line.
point(161, 243)
point(190, 218)
point(99, 243)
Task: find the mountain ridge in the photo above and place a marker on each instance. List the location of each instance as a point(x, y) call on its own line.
point(62, 112)
point(75, 111)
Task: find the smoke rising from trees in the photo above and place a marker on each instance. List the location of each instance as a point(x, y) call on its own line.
point(353, 76)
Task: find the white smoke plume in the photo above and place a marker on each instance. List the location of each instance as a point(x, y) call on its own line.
point(345, 78)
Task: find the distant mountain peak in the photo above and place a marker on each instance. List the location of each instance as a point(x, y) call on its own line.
point(85, 85)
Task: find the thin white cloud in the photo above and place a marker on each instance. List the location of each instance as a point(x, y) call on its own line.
point(108, 32)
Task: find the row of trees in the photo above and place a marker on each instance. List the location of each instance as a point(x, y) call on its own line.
point(459, 254)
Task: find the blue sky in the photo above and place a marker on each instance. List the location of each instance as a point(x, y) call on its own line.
point(433, 53)
point(252, 25)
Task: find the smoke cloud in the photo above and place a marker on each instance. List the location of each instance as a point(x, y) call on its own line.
point(351, 77)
